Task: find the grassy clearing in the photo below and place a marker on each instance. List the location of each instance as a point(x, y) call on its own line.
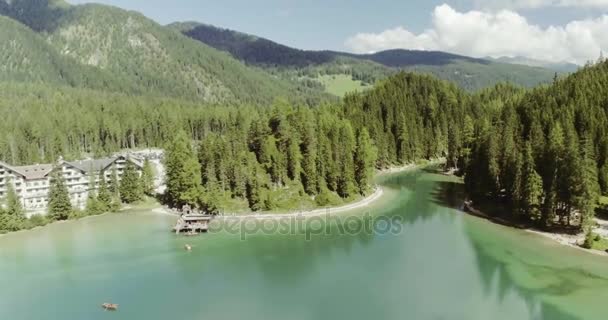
point(341, 84)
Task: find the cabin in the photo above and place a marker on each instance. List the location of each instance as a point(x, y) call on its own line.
point(192, 223)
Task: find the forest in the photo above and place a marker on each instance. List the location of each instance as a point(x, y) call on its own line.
point(541, 152)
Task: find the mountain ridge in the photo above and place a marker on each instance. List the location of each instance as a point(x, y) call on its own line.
point(142, 57)
point(470, 73)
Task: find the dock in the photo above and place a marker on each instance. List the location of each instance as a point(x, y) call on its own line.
point(192, 224)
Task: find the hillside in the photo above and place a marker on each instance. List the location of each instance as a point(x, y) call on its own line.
point(563, 67)
point(116, 46)
point(27, 57)
point(469, 73)
point(543, 153)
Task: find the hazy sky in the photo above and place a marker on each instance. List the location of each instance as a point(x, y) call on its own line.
point(557, 30)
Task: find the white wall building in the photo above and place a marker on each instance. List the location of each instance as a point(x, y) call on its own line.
point(32, 182)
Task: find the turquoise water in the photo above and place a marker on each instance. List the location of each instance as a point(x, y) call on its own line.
point(442, 264)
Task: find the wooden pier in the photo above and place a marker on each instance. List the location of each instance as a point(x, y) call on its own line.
point(192, 224)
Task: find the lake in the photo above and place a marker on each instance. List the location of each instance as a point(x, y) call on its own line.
point(422, 259)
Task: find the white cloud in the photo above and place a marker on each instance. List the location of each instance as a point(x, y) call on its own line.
point(503, 33)
point(535, 4)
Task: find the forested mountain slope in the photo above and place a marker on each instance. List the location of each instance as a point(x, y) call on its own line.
point(26, 57)
point(544, 152)
point(469, 73)
point(143, 56)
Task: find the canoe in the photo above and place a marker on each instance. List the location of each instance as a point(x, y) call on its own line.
point(110, 306)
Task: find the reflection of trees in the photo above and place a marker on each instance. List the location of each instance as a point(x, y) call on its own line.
point(289, 261)
point(495, 277)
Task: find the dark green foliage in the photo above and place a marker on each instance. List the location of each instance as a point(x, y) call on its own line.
point(365, 158)
point(93, 206)
point(12, 216)
point(589, 240)
point(113, 186)
point(407, 117)
point(131, 189)
point(603, 178)
point(543, 151)
point(123, 51)
point(532, 186)
point(14, 207)
point(254, 50)
point(147, 178)
point(184, 185)
point(60, 207)
point(104, 195)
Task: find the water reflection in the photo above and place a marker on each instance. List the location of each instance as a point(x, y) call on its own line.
point(442, 265)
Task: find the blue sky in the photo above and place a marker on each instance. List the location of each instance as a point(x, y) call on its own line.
point(364, 25)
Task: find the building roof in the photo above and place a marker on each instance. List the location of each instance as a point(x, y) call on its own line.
point(92, 165)
point(96, 165)
point(34, 172)
point(31, 172)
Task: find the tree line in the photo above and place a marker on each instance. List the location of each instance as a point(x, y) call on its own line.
point(285, 152)
point(541, 152)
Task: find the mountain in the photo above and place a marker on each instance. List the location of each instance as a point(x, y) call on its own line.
point(123, 48)
point(469, 73)
point(27, 57)
point(563, 67)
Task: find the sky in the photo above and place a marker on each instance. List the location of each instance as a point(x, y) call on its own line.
point(553, 30)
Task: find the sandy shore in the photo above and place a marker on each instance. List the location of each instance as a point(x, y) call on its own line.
point(575, 241)
point(564, 239)
point(410, 166)
point(378, 192)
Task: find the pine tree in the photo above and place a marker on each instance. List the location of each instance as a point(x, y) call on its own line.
point(345, 146)
point(252, 188)
point(113, 186)
point(93, 206)
point(212, 193)
point(603, 178)
point(130, 184)
point(532, 186)
point(104, 196)
point(14, 208)
point(147, 178)
point(365, 158)
point(586, 188)
point(308, 176)
point(183, 173)
point(60, 206)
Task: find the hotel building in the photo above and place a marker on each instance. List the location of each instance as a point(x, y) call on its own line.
point(32, 182)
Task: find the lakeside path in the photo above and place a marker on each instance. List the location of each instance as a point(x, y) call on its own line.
point(377, 194)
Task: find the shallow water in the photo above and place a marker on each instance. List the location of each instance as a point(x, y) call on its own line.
point(442, 264)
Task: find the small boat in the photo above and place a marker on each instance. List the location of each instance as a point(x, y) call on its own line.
point(110, 306)
point(188, 247)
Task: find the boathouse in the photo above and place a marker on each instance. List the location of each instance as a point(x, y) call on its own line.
point(192, 223)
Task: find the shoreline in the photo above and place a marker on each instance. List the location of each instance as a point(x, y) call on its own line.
point(563, 239)
point(378, 192)
point(125, 208)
